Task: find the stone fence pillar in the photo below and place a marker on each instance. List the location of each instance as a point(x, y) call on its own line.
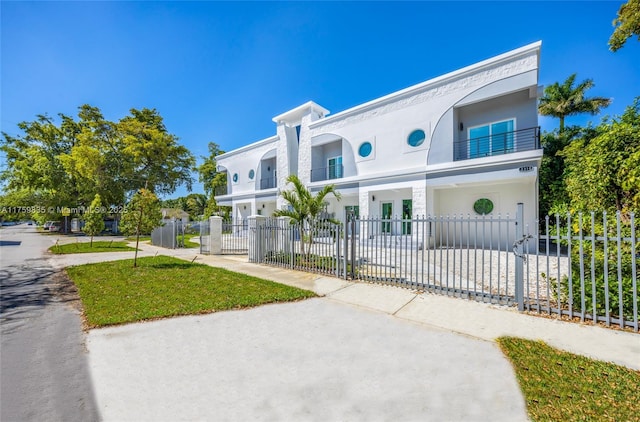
point(215, 235)
point(257, 238)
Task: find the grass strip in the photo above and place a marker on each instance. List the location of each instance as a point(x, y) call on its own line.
point(142, 238)
point(562, 386)
point(187, 240)
point(115, 292)
point(86, 247)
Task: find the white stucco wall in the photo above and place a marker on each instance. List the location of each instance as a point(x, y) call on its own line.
point(387, 122)
point(458, 201)
point(242, 161)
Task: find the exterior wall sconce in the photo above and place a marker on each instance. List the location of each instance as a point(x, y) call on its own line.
point(461, 127)
point(262, 205)
point(244, 207)
point(373, 198)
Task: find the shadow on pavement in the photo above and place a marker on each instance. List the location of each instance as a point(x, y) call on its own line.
point(28, 288)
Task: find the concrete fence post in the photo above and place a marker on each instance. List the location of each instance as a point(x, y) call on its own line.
point(284, 237)
point(519, 252)
point(256, 238)
point(215, 235)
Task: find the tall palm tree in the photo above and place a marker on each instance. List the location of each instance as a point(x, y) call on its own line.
point(567, 100)
point(304, 206)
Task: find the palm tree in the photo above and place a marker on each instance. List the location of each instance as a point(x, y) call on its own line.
point(566, 100)
point(304, 206)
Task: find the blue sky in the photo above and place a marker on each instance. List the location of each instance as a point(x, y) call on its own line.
point(219, 71)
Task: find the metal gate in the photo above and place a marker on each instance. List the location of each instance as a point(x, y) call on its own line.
point(234, 238)
point(463, 256)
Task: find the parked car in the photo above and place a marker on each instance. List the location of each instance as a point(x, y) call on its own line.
point(47, 224)
point(55, 226)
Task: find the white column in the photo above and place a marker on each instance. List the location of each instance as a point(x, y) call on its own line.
point(215, 235)
point(256, 238)
point(284, 237)
point(304, 151)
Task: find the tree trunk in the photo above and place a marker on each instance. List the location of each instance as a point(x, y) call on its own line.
point(135, 256)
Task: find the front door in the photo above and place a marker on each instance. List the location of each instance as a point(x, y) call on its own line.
point(406, 216)
point(387, 212)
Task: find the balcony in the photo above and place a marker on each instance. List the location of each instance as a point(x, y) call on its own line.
point(268, 183)
point(220, 190)
point(327, 173)
point(497, 144)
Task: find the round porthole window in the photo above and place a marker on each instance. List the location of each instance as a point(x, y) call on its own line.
point(483, 206)
point(235, 177)
point(251, 174)
point(416, 138)
point(365, 149)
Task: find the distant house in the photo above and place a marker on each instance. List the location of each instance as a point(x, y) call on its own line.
point(174, 214)
point(467, 142)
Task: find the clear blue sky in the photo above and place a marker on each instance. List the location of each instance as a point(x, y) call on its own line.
point(219, 71)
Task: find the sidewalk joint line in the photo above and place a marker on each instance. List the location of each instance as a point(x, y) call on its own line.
point(403, 306)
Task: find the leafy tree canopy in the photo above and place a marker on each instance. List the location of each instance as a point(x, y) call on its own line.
point(601, 170)
point(627, 24)
point(69, 160)
point(214, 181)
point(94, 218)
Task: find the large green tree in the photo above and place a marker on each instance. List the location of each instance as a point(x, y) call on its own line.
point(213, 181)
point(601, 171)
point(66, 162)
point(305, 207)
point(566, 99)
point(152, 156)
point(33, 161)
point(626, 23)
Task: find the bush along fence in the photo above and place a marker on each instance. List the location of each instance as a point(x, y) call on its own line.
point(600, 281)
point(578, 266)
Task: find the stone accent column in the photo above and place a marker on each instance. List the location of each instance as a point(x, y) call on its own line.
point(282, 162)
point(304, 151)
point(419, 203)
point(256, 238)
point(365, 214)
point(215, 235)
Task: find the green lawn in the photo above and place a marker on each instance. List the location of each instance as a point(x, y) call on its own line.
point(561, 386)
point(85, 247)
point(187, 240)
point(142, 238)
point(115, 292)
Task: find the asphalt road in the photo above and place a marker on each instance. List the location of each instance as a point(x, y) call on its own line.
point(44, 374)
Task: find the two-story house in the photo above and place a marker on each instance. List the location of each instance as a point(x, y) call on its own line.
point(435, 148)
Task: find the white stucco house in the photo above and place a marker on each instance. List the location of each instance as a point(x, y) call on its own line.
point(434, 148)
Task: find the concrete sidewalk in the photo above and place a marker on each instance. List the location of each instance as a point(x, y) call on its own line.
point(360, 352)
point(474, 319)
